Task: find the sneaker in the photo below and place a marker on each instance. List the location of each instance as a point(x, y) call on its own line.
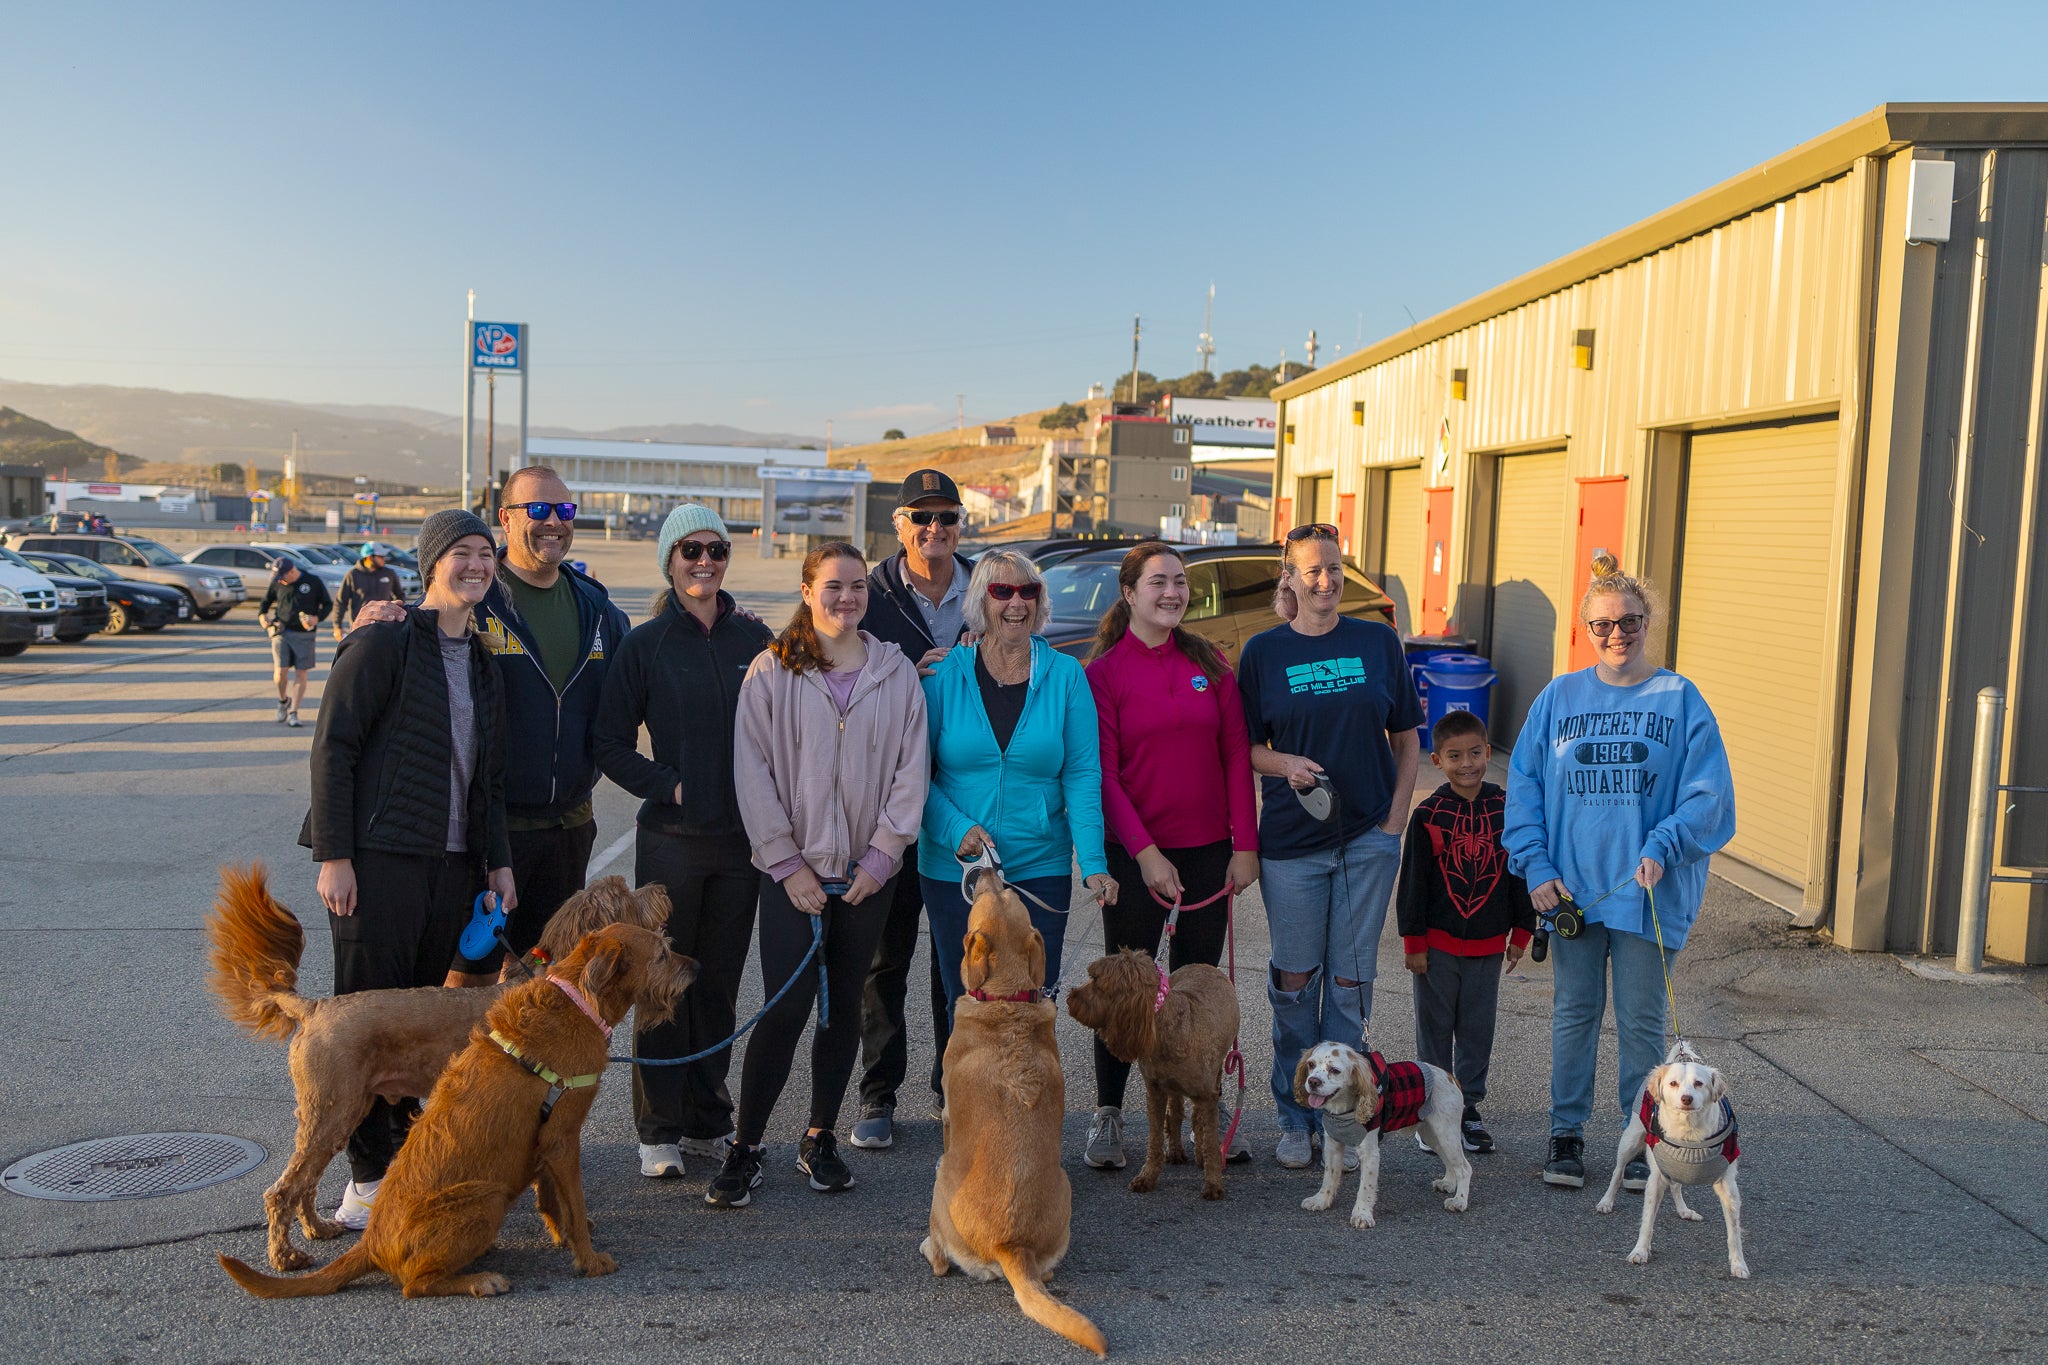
point(1295, 1149)
point(938, 1106)
point(874, 1132)
point(1635, 1177)
point(1240, 1150)
point(1477, 1139)
point(354, 1213)
point(737, 1179)
point(1567, 1166)
point(284, 708)
point(712, 1148)
point(661, 1161)
point(818, 1158)
point(291, 718)
point(1105, 1150)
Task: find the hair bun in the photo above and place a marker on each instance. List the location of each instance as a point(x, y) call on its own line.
point(1605, 565)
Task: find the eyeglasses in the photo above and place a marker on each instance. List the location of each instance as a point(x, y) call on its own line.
point(538, 511)
point(926, 518)
point(1631, 624)
point(694, 550)
point(1315, 530)
point(1003, 592)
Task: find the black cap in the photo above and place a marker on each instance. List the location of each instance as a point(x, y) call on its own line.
point(928, 483)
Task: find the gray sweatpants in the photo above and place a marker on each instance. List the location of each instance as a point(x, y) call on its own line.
point(1454, 1008)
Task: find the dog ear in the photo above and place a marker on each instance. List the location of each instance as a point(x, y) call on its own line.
point(603, 971)
point(1654, 1082)
point(974, 965)
point(1301, 1078)
point(655, 906)
point(1034, 953)
point(1717, 1086)
point(1130, 1027)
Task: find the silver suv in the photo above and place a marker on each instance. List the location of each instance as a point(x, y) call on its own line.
point(214, 592)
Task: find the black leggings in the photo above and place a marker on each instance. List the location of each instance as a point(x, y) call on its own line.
point(851, 933)
point(1137, 921)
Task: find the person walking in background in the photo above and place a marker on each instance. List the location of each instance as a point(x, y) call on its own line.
point(1332, 712)
point(1015, 761)
point(1463, 917)
point(1176, 793)
point(679, 674)
point(916, 602)
point(368, 581)
point(831, 766)
point(408, 812)
point(1613, 825)
point(292, 609)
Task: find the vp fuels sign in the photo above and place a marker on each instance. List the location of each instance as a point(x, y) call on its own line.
point(496, 346)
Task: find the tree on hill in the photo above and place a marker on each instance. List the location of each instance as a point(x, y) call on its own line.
point(227, 474)
point(893, 434)
point(1254, 381)
point(27, 441)
point(1065, 417)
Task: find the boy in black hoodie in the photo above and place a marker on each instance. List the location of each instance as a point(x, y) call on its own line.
point(1462, 913)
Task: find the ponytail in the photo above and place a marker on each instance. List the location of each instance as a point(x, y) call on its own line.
point(1116, 622)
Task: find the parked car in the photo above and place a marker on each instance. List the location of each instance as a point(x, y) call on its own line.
point(256, 561)
point(81, 601)
point(131, 604)
point(1046, 553)
point(212, 592)
point(1230, 594)
point(349, 554)
point(28, 608)
point(87, 523)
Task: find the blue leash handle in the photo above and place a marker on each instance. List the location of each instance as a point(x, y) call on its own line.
point(824, 1005)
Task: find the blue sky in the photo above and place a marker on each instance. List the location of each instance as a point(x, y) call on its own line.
point(777, 215)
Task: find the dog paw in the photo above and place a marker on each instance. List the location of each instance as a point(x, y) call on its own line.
point(1640, 1256)
point(1214, 1191)
point(1692, 1215)
point(1739, 1269)
point(1444, 1186)
point(1144, 1183)
point(1176, 1156)
point(322, 1228)
point(290, 1258)
point(1361, 1220)
point(1605, 1206)
point(1316, 1203)
point(489, 1286)
point(1456, 1203)
point(599, 1263)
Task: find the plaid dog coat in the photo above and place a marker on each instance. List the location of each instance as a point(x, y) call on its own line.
point(1403, 1090)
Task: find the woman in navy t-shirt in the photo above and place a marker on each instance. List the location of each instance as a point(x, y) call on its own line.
point(1329, 696)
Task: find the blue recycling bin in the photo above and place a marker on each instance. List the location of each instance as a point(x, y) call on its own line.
point(1459, 682)
point(1420, 649)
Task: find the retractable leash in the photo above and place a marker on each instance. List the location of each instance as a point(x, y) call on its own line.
point(987, 861)
point(1567, 907)
point(1233, 1061)
point(824, 1004)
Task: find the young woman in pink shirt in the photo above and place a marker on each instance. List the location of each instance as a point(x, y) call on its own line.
point(1176, 790)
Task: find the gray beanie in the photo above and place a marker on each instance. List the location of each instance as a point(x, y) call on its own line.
point(687, 520)
point(441, 531)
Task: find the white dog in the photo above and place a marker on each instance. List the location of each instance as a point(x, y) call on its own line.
point(1361, 1097)
point(1688, 1126)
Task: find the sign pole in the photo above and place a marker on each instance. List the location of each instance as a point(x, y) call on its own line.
point(468, 392)
point(525, 383)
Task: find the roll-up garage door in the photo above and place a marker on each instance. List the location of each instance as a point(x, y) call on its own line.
point(1759, 514)
point(1401, 562)
point(1532, 521)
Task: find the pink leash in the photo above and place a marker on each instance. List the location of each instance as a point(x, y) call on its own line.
point(1234, 1059)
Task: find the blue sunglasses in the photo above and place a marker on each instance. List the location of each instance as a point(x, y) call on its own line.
point(538, 511)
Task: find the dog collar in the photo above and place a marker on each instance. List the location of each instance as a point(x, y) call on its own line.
point(1013, 998)
point(558, 1084)
point(1159, 1000)
point(582, 1004)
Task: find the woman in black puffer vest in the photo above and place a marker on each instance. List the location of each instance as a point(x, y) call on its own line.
point(408, 816)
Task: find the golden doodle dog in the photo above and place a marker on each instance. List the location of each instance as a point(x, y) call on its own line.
point(1178, 1029)
point(350, 1049)
point(1362, 1096)
point(507, 1113)
point(1001, 1203)
point(1688, 1127)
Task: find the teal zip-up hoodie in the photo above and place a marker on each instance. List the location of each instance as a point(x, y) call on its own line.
point(1041, 800)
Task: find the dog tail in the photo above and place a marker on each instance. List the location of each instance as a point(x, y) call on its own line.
point(1041, 1307)
point(350, 1265)
point(255, 956)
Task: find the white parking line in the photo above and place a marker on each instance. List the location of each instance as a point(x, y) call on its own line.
point(609, 856)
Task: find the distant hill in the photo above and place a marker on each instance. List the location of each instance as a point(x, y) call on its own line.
point(387, 443)
point(25, 440)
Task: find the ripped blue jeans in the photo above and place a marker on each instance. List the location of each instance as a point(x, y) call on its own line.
point(1324, 912)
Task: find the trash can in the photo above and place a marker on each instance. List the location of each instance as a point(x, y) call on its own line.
point(1458, 682)
point(1420, 649)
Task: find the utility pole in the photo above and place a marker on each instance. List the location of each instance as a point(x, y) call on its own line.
point(1311, 348)
point(290, 491)
point(490, 444)
point(960, 417)
point(1206, 347)
point(1137, 330)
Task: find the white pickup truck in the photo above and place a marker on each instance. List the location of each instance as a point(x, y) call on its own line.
point(28, 609)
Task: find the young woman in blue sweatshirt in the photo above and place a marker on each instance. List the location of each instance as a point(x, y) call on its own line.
point(1015, 760)
point(1619, 786)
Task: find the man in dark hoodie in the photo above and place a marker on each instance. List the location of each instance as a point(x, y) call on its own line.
point(915, 602)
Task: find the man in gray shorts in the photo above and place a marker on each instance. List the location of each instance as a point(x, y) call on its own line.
point(292, 611)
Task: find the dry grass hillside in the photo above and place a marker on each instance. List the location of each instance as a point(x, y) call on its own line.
point(965, 458)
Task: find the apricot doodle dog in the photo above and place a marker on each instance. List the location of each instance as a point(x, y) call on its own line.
point(1178, 1030)
point(349, 1050)
point(507, 1113)
point(1001, 1204)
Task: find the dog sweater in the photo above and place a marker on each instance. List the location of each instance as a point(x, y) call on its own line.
point(1403, 1090)
point(1690, 1163)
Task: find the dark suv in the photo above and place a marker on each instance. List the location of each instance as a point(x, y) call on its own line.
point(1230, 595)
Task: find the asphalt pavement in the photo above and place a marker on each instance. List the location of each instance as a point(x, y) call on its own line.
point(1895, 1128)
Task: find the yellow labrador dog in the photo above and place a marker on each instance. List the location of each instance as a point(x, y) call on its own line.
point(1362, 1095)
point(1687, 1125)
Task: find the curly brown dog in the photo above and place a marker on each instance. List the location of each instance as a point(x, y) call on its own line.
point(507, 1113)
point(1001, 1204)
point(349, 1050)
point(1178, 1029)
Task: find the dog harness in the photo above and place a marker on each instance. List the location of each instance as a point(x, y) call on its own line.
point(1403, 1090)
point(1159, 1000)
point(1013, 998)
point(1690, 1163)
point(558, 1084)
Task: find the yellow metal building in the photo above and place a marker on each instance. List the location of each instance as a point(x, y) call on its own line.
point(1809, 403)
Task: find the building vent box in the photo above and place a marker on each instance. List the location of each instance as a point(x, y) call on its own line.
point(1930, 200)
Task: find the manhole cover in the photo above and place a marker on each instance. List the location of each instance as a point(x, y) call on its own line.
point(139, 1167)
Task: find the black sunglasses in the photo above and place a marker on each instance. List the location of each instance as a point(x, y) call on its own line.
point(538, 511)
point(926, 518)
point(1315, 530)
point(1631, 624)
point(1003, 592)
point(694, 550)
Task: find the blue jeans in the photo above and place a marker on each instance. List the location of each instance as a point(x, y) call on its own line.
point(946, 909)
point(1324, 913)
point(1578, 969)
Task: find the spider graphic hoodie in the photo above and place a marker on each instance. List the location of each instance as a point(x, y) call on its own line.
point(1455, 892)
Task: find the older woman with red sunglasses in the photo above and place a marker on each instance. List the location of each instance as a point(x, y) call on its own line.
point(1015, 762)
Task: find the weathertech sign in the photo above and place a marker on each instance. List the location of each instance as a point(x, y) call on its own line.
point(1228, 421)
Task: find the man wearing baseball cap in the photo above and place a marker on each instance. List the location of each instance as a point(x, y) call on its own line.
point(915, 602)
point(369, 581)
